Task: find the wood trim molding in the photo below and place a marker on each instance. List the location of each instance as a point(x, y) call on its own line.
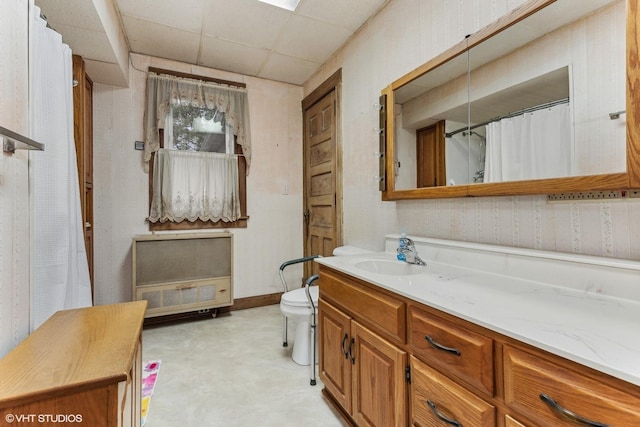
point(324, 88)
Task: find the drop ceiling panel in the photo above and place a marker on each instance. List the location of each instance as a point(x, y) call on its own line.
point(185, 14)
point(350, 14)
point(76, 13)
point(247, 22)
point(287, 69)
point(312, 40)
point(94, 44)
point(159, 40)
point(225, 55)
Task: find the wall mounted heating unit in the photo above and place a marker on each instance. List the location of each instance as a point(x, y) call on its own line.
point(179, 273)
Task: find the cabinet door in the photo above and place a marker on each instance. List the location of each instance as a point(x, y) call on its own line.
point(334, 340)
point(379, 388)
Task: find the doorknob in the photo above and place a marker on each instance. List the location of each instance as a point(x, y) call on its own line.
point(306, 215)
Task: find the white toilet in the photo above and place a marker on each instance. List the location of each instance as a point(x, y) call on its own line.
point(295, 306)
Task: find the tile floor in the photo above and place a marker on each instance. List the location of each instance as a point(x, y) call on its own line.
point(232, 371)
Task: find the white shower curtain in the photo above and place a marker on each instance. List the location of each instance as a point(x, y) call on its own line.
point(533, 145)
point(59, 273)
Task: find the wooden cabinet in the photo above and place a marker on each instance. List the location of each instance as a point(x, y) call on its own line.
point(549, 393)
point(363, 372)
point(458, 371)
point(80, 367)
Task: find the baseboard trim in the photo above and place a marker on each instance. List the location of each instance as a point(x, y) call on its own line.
point(238, 304)
point(252, 302)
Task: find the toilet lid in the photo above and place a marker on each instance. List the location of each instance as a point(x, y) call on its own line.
point(298, 297)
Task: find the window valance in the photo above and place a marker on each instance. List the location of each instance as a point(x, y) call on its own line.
point(164, 91)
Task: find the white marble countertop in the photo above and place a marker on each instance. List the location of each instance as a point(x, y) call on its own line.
point(593, 329)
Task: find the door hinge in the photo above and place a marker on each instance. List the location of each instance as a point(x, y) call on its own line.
point(407, 374)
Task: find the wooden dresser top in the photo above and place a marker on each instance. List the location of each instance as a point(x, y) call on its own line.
point(73, 349)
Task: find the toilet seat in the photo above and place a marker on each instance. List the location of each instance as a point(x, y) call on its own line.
point(298, 297)
point(295, 302)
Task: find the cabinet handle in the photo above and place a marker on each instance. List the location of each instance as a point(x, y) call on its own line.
point(439, 346)
point(571, 416)
point(344, 346)
point(441, 415)
point(351, 356)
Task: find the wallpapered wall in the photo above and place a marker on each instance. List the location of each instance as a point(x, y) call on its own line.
point(14, 176)
point(404, 35)
point(274, 185)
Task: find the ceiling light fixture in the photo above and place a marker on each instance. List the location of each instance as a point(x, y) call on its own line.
point(284, 4)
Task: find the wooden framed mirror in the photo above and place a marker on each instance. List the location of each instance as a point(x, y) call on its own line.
point(568, 59)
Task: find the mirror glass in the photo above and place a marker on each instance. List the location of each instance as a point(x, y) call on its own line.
point(531, 102)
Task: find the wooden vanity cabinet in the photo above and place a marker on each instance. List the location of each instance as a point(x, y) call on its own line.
point(463, 372)
point(363, 371)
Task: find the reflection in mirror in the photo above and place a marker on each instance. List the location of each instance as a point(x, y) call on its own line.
point(537, 104)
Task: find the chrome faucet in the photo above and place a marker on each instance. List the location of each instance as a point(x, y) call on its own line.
point(410, 253)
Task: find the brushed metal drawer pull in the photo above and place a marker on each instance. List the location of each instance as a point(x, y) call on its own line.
point(351, 356)
point(571, 416)
point(441, 416)
point(344, 346)
point(442, 347)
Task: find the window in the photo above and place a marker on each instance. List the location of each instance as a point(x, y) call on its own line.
point(197, 163)
point(190, 128)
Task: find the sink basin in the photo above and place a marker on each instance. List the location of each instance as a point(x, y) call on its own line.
point(389, 267)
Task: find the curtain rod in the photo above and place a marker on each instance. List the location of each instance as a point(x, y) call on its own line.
point(509, 115)
point(212, 80)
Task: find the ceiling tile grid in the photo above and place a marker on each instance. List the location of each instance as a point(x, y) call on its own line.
point(241, 36)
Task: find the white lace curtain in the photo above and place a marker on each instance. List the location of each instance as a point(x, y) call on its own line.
point(190, 185)
point(164, 91)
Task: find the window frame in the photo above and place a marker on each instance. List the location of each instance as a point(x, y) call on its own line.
point(241, 222)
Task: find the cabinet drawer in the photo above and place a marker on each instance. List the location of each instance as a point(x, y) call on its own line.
point(385, 313)
point(434, 396)
point(510, 422)
point(441, 343)
point(527, 377)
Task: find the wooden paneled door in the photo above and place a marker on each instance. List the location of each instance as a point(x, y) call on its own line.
point(322, 173)
point(431, 156)
point(83, 135)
